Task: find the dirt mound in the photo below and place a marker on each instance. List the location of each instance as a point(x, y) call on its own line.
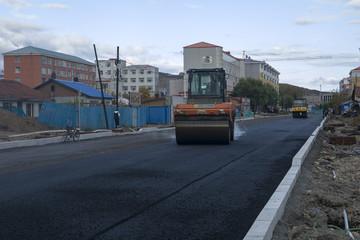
point(12, 123)
point(333, 186)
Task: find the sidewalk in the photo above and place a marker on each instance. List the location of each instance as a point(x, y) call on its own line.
point(84, 136)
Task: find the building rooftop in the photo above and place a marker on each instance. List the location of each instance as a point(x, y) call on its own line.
point(10, 89)
point(201, 45)
point(39, 51)
point(76, 86)
point(140, 66)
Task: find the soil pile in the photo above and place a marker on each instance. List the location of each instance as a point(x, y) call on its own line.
point(333, 186)
point(11, 123)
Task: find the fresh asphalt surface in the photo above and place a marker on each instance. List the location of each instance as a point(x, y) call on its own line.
point(146, 186)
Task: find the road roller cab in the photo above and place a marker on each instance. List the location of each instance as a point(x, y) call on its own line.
point(206, 118)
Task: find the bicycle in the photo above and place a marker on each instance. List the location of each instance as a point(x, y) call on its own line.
point(71, 132)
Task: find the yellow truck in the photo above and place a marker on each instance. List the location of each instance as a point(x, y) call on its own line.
point(299, 109)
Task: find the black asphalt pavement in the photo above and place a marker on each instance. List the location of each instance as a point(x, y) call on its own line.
point(146, 186)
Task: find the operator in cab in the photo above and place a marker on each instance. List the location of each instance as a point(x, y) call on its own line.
point(213, 87)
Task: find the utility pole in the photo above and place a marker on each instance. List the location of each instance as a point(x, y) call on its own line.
point(101, 86)
point(116, 112)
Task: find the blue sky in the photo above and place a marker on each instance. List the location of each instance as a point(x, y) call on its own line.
point(155, 32)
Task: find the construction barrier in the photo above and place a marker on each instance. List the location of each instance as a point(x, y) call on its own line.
point(93, 117)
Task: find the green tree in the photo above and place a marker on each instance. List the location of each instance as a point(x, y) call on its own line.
point(336, 101)
point(145, 93)
point(286, 101)
point(260, 94)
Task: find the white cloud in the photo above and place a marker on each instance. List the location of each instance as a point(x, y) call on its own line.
point(326, 82)
point(305, 21)
point(354, 22)
point(18, 34)
point(191, 5)
point(27, 17)
point(354, 3)
point(55, 6)
point(17, 5)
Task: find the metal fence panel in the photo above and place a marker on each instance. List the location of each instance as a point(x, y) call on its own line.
point(59, 115)
point(158, 115)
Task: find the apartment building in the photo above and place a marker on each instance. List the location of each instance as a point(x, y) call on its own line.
point(344, 86)
point(33, 66)
point(134, 77)
point(108, 75)
point(206, 55)
point(354, 83)
point(175, 85)
point(262, 71)
point(325, 97)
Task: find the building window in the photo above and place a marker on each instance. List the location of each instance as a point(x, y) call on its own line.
point(149, 79)
point(18, 79)
point(133, 79)
point(59, 62)
point(125, 80)
point(150, 88)
point(207, 59)
point(86, 67)
point(49, 61)
point(49, 71)
point(133, 72)
point(43, 60)
point(101, 72)
point(108, 64)
point(141, 80)
point(43, 71)
point(7, 105)
point(149, 72)
point(17, 70)
point(133, 88)
point(109, 72)
point(17, 59)
point(141, 71)
point(124, 72)
point(81, 66)
point(125, 88)
point(43, 80)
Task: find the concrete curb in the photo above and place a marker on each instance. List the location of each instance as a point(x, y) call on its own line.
point(45, 141)
point(266, 221)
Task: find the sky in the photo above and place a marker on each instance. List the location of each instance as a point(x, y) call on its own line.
point(312, 43)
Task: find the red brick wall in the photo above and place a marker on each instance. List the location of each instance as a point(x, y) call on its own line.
point(31, 70)
point(60, 90)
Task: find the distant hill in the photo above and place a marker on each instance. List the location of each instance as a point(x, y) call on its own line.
point(295, 91)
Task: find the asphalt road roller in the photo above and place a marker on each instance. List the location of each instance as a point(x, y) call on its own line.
point(206, 117)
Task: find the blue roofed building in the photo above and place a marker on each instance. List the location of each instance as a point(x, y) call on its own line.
point(62, 91)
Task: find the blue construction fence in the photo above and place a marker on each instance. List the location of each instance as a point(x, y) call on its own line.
point(93, 117)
